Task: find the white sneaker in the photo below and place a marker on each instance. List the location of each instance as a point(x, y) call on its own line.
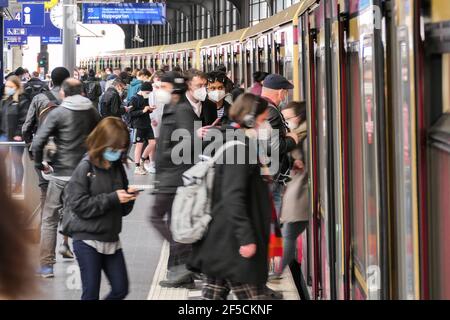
point(146, 165)
point(140, 171)
point(152, 168)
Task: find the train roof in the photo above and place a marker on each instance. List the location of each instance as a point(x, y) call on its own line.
point(225, 38)
point(191, 45)
point(280, 19)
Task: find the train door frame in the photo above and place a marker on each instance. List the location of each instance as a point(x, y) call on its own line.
point(365, 39)
point(314, 220)
point(402, 121)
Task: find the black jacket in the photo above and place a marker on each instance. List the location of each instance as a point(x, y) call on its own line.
point(225, 120)
point(12, 116)
point(139, 119)
point(180, 116)
point(285, 144)
point(241, 215)
point(69, 124)
point(91, 199)
point(93, 90)
point(111, 105)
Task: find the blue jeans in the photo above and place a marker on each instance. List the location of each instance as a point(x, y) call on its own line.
point(277, 193)
point(291, 231)
point(91, 265)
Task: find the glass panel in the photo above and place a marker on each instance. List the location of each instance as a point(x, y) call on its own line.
point(404, 176)
point(356, 165)
point(371, 169)
point(340, 258)
point(323, 170)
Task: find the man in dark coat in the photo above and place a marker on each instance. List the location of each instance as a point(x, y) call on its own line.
point(192, 111)
point(276, 91)
point(69, 124)
point(111, 101)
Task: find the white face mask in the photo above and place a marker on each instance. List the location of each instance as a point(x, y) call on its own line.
point(162, 97)
point(216, 95)
point(292, 125)
point(146, 95)
point(200, 94)
point(156, 85)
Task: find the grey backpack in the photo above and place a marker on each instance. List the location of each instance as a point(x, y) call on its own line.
point(191, 210)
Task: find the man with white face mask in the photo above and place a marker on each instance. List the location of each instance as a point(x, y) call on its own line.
point(276, 92)
point(217, 93)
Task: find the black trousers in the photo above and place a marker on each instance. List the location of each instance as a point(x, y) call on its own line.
point(160, 219)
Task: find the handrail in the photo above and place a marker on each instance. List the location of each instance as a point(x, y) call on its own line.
point(12, 143)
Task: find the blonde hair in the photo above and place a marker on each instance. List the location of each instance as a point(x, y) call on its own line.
point(16, 81)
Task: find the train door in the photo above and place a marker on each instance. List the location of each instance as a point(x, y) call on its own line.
point(403, 113)
point(436, 120)
point(322, 135)
point(249, 62)
point(367, 163)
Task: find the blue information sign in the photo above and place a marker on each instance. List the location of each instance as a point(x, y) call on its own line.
point(124, 13)
point(14, 27)
point(33, 15)
point(4, 3)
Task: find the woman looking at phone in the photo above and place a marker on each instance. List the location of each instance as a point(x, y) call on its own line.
point(97, 197)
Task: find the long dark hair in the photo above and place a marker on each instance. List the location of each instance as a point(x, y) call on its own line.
point(16, 268)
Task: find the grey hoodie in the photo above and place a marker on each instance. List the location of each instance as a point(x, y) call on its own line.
point(69, 124)
point(77, 103)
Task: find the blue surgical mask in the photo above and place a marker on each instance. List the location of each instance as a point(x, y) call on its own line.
point(10, 91)
point(112, 155)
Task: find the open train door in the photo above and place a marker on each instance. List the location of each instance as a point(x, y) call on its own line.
point(366, 164)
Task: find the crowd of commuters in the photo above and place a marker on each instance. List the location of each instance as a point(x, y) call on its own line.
point(79, 130)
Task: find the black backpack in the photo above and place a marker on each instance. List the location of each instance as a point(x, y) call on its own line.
point(31, 90)
point(93, 90)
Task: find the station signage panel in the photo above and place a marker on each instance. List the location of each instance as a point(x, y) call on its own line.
point(124, 13)
point(33, 15)
point(48, 32)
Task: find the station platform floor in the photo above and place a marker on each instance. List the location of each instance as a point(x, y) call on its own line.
point(146, 257)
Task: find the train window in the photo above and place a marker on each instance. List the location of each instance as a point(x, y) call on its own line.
point(249, 62)
point(269, 52)
point(237, 64)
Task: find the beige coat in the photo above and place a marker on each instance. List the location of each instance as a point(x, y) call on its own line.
point(295, 205)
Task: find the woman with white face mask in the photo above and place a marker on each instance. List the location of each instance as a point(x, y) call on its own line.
point(217, 93)
point(13, 112)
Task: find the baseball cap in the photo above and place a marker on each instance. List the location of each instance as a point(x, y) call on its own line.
point(277, 82)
